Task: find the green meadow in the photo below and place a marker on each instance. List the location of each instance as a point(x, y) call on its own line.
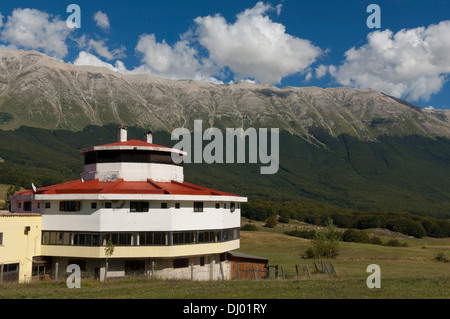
point(407, 272)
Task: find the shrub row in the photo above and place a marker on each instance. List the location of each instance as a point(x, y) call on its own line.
point(317, 214)
point(350, 235)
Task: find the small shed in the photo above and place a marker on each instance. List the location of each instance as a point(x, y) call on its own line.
point(245, 266)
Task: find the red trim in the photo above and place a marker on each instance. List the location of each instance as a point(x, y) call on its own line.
point(126, 187)
point(134, 143)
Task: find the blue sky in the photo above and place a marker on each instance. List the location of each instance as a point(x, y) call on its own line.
point(282, 43)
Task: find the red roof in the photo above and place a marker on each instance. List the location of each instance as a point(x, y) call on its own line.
point(126, 187)
point(134, 143)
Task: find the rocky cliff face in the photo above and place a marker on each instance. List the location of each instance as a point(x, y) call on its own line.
point(38, 91)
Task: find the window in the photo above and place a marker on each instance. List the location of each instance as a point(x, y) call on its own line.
point(217, 205)
point(232, 207)
point(152, 238)
point(224, 205)
point(1, 239)
point(79, 262)
point(139, 207)
point(56, 238)
point(70, 206)
point(181, 263)
point(198, 207)
point(182, 238)
point(27, 206)
point(93, 205)
point(207, 236)
point(134, 267)
point(202, 261)
point(164, 205)
point(177, 205)
point(118, 239)
point(11, 272)
point(47, 205)
point(108, 205)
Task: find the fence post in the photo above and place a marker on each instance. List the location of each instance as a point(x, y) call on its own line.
point(56, 271)
point(317, 268)
point(307, 270)
point(324, 266)
point(238, 266)
point(332, 267)
point(221, 271)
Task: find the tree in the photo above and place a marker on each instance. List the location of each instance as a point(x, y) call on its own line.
point(109, 250)
point(356, 236)
point(271, 221)
point(12, 190)
point(326, 243)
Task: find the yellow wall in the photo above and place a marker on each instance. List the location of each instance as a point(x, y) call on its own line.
point(140, 251)
point(18, 246)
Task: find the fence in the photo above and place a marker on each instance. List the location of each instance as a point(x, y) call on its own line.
point(317, 267)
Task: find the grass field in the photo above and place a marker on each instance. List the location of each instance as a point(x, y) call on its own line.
point(406, 272)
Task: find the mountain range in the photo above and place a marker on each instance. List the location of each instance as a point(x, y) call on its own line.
point(353, 148)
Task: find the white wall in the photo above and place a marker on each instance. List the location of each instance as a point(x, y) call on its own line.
point(133, 172)
point(117, 219)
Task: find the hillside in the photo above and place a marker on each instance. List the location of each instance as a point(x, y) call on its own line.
point(396, 173)
point(349, 148)
point(38, 91)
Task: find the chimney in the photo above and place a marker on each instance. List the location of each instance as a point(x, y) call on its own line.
point(122, 134)
point(148, 137)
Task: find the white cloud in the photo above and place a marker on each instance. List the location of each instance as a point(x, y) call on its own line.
point(101, 48)
point(255, 46)
point(1, 19)
point(308, 76)
point(102, 20)
point(37, 30)
point(177, 62)
point(85, 58)
point(321, 71)
point(412, 63)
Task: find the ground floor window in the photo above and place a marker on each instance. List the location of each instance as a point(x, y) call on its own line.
point(134, 267)
point(158, 238)
point(181, 263)
point(11, 272)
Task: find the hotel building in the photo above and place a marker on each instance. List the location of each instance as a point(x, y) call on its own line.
point(132, 195)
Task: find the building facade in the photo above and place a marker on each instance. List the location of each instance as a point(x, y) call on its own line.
point(20, 241)
point(133, 195)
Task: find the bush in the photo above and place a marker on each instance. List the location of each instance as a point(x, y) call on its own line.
point(396, 243)
point(356, 236)
point(407, 226)
point(441, 257)
point(368, 221)
point(309, 254)
point(271, 222)
point(375, 240)
point(249, 227)
point(325, 243)
point(308, 234)
point(284, 217)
